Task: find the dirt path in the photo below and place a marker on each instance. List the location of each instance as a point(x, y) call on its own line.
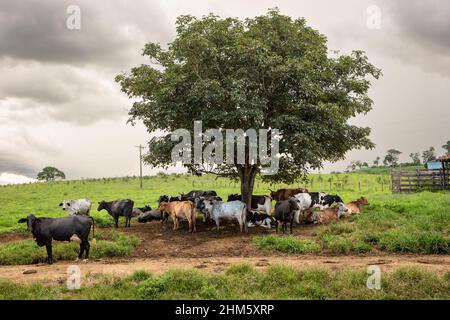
point(57, 273)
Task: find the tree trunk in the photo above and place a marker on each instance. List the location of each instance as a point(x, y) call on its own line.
point(247, 176)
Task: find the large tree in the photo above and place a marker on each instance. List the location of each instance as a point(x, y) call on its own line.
point(266, 72)
point(50, 174)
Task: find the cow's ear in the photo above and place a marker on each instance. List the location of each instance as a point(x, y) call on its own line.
point(61, 204)
point(68, 204)
point(23, 220)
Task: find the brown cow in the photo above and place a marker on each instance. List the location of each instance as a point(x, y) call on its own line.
point(285, 194)
point(357, 206)
point(327, 214)
point(178, 210)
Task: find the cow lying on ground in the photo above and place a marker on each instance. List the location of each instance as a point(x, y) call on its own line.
point(118, 208)
point(179, 210)
point(77, 207)
point(150, 216)
point(327, 214)
point(259, 202)
point(285, 194)
point(260, 219)
point(357, 206)
point(310, 200)
point(284, 212)
point(73, 228)
point(139, 211)
point(232, 210)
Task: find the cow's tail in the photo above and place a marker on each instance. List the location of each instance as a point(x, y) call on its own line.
point(94, 241)
point(244, 216)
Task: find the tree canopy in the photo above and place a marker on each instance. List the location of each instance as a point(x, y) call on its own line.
point(270, 71)
point(50, 174)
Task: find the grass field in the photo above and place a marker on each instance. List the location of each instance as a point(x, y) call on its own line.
point(242, 281)
point(417, 223)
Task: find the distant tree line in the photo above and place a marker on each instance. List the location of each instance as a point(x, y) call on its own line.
point(391, 159)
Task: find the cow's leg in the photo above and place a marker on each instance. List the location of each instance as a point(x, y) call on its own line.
point(80, 255)
point(276, 225)
point(116, 221)
point(175, 223)
point(217, 224)
point(194, 222)
point(190, 224)
point(87, 246)
point(48, 246)
point(292, 221)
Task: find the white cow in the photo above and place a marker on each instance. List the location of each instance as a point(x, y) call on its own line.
point(231, 210)
point(77, 207)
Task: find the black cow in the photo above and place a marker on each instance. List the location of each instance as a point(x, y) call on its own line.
point(117, 209)
point(138, 211)
point(199, 193)
point(166, 198)
point(73, 228)
point(329, 199)
point(150, 216)
point(285, 212)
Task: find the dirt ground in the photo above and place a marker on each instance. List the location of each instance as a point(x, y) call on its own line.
point(161, 249)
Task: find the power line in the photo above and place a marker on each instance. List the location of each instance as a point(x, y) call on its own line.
point(140, 163)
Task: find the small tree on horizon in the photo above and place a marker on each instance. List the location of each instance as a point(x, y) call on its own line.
point(428, 155)
point(376, 162)
point(415, 157)
point(50, 174)
point(446, 147)
point(391, 158)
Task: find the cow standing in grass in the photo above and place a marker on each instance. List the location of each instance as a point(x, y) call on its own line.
point(73, 228)
point(118, 208)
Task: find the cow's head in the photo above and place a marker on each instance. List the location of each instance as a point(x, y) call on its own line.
point(363, 201)
point(293, 204)
point(65, 204)
point(31, 221)
point(341, 209)
point(101, 205)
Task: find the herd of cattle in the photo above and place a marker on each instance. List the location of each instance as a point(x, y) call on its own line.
point(292, 206)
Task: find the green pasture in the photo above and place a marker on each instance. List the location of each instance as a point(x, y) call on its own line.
point(417, 223)
point(242, 281)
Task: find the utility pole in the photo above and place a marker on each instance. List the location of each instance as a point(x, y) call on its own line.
point(140, 163)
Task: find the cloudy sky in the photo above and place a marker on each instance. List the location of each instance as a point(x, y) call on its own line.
point(60, 106)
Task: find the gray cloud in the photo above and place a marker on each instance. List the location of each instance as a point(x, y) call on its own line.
point(57, 91)
point(110, 30)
